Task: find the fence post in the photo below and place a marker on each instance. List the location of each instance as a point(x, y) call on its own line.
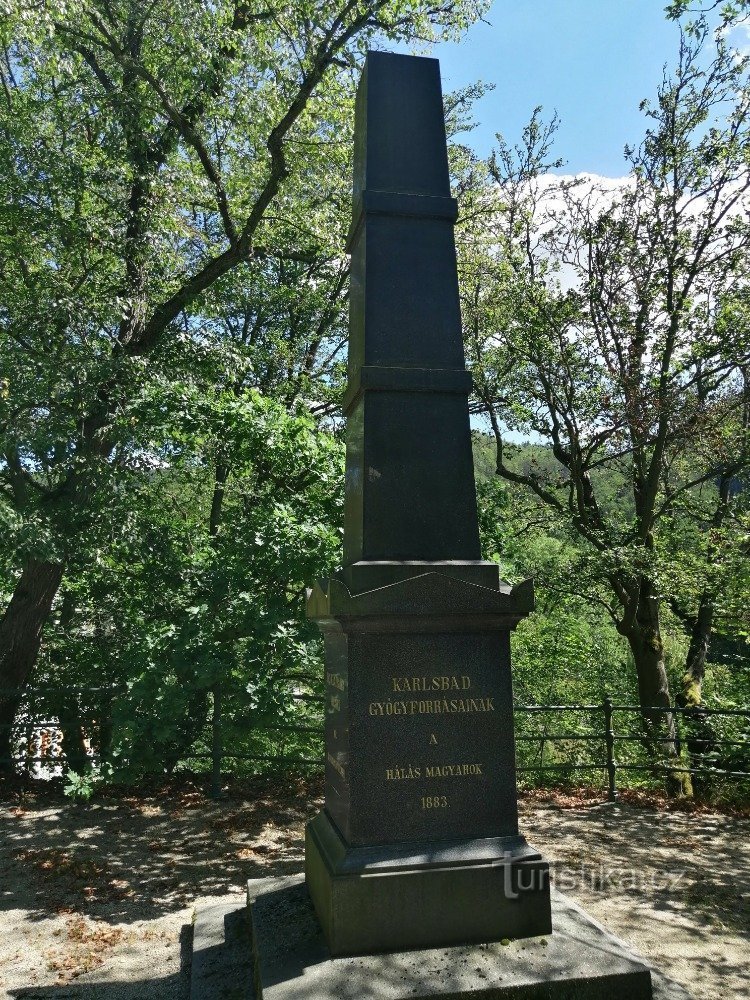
point(216, 743)
point(609, 735)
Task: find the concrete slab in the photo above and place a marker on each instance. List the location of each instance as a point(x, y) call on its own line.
point(580, 960)
point(222, 967)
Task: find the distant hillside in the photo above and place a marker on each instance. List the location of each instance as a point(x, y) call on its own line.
point(520, 457)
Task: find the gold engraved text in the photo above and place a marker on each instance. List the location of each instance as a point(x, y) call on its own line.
point(400, 773)
point(452, 770)
point(445, 683)
point(433, 771)
point(436, 706)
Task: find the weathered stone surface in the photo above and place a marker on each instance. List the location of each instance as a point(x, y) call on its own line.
point(419, 734)
point(221, 967)
point(426, 592)
point(360, 577)
point(426, 894)
point(579, 960)
point(409, 471)
point(420, 754)
point(420, 760)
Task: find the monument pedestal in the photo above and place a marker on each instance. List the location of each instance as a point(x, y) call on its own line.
point(419, 844)
point(392, 898)
point(579, 960)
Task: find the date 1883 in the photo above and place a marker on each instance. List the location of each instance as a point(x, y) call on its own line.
point(434, 801)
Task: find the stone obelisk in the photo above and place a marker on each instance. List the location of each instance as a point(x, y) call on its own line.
point(418, 844)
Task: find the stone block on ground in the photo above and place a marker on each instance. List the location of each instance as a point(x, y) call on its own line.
point(221, 967)
point(580, 960)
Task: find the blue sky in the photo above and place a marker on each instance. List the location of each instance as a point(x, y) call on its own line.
point(592, 61)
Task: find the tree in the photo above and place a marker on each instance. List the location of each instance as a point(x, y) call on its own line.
point(150, 151)
point(703, 546)
point(592, 322)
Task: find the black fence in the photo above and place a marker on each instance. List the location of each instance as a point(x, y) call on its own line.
point(702, 749)
point(601, 743)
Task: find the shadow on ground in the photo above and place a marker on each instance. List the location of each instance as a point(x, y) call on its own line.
point(678, 863)
point(145, 989)
point(675, 885)
point(138, 858)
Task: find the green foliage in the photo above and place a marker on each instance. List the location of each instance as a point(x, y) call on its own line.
point(81, 787)
point(608, 323)
point(567, 651)
point(175, 197)
point(169, 610)
point(570, 652)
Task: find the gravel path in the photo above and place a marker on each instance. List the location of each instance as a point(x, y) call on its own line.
point(673, 885)
point(97, 901)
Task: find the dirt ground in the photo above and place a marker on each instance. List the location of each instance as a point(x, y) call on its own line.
point(97, 900)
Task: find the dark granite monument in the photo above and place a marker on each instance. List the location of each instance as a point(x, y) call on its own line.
point(418, 843)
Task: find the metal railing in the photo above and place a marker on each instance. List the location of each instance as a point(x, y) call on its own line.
point(610, 738)
point(556, 754)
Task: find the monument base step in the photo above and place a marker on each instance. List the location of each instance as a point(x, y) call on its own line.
point(579, 960)
point(405, 896)
point(221, 966)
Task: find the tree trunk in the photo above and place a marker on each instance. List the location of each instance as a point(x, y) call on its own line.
point(189, 729)
point(9, 705)
point(700, 737)
point(106, 727)
point(20, 638)
point(217, 500)
point(644, 639)
point(695, 664)
point(702, 625)
point(74, 743)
